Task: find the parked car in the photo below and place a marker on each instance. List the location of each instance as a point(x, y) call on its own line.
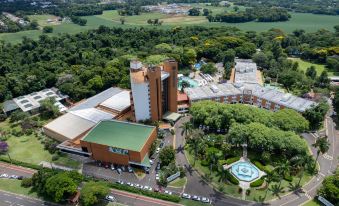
point(20, 177)
point(205, 200)
point(151, 162)
point(146, 170)
point(196, 198)
point(157, 150)
point(156, 190)
point(106, 166)
point(157, 177)
point(120, 182)
point(110, 198)
point(13, 177)
point(112, 167)
point(4, 176)
point(129, 169)
point(168, 192)
point(161, 145)
point(119, 171)
point(158, 166)
point(186, 196)
point(148, 188)
point(123, 168)
point(132, 185)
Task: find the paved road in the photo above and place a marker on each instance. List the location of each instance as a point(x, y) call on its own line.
point(15, 170)
point(195, 185)
point(327, 162)
point(132, 199)
point(11, 199)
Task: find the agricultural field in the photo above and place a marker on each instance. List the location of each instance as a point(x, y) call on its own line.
point(308, 22)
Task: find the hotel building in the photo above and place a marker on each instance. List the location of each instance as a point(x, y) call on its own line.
point(153, 89)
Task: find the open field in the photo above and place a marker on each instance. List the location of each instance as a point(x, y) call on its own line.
point(308, 22)
point(303, 65)
point(42, 19)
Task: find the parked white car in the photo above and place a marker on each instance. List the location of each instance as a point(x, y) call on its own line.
point(168, 192)
point(4, 176)
point(205, 200)
point(110, 198)
point(157, 177)
point(157, 150)
point(186, 196)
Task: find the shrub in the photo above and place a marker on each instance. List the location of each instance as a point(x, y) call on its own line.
point(205, 163)
point(171, 198)
point(231, 160)
point(55, 157)
point(258, 182)
point(26, 182)
point(288, 178)
point(239, 190)
point(248, 192)
point(231, 178)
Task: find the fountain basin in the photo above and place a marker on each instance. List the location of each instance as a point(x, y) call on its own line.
point(245, 171)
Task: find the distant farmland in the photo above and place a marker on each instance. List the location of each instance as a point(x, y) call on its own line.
point(308, 22)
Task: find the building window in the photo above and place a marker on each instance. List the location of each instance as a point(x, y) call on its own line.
point(118, 150)
point(84, 149)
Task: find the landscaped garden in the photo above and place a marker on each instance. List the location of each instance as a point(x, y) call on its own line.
point(25, 142)
point(220, 134)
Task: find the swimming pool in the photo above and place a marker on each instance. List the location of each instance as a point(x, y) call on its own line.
point(245, 171)
point(192, 82)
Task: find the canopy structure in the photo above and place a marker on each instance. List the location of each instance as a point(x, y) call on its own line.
point(171, 116)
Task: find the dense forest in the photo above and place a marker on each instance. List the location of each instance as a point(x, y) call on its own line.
point(86, 63)
point(329, 7)
point(260, 14)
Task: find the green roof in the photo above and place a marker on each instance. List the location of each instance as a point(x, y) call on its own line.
point(119, 134)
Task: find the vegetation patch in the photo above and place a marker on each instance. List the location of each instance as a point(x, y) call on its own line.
point(257, 183)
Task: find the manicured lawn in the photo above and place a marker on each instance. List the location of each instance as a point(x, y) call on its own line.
point(14, 186)
point(180, 182)
point(27, 148)
point(303, 65)
point(308, 22)
point(228, 189)
point(312, 203)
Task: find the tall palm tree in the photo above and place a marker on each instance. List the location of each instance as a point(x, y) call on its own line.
point(322, 146)
point(269, 178)
point(276, 190)
point(302, 162)
point(196, 139)
point(187, 129)
point(282, 169)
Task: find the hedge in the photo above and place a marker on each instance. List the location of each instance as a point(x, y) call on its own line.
point(258, 182)
point(261, 167)
point(19, 163)
point(171, 198)
point(231, 178)
point(231, 160)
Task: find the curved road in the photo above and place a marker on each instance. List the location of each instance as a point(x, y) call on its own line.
point(328, 163)
point(195, 185)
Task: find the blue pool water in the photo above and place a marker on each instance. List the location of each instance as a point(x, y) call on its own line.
point(245, 171)
point(192, 82)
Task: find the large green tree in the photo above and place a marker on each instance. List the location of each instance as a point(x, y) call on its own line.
point(60, 187)
point(167, 155)
point(93, 192)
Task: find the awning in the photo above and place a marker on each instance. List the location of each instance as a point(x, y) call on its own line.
point(171, 116)
point(145, 162)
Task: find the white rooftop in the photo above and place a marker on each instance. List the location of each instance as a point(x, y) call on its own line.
point(93, 115)
point(118, 102)
point(245, 71)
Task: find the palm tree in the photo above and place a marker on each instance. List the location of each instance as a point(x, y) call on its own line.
point(187, 129)
point(196, 138)
point(276, 190)
point(269, 178)
point(301, 162)
point(282, 169)
point(322, 146)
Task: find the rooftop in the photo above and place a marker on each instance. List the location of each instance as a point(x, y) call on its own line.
point(123, 135)
point(99, 98)
point(245, 71)
point(118, 102)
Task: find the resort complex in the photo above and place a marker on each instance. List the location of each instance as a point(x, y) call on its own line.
point(245, 86)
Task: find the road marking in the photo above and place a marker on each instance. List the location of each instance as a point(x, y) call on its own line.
point(326, 156)
point(308, 196)
point(321, 174)
point(20, 198)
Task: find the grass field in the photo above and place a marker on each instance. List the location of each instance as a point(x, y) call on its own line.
point(12, 185)
point(27, 148)
point(42, 19)
point(303, 65)
point(180, 182)
point(312, 203)
point(308, 22)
